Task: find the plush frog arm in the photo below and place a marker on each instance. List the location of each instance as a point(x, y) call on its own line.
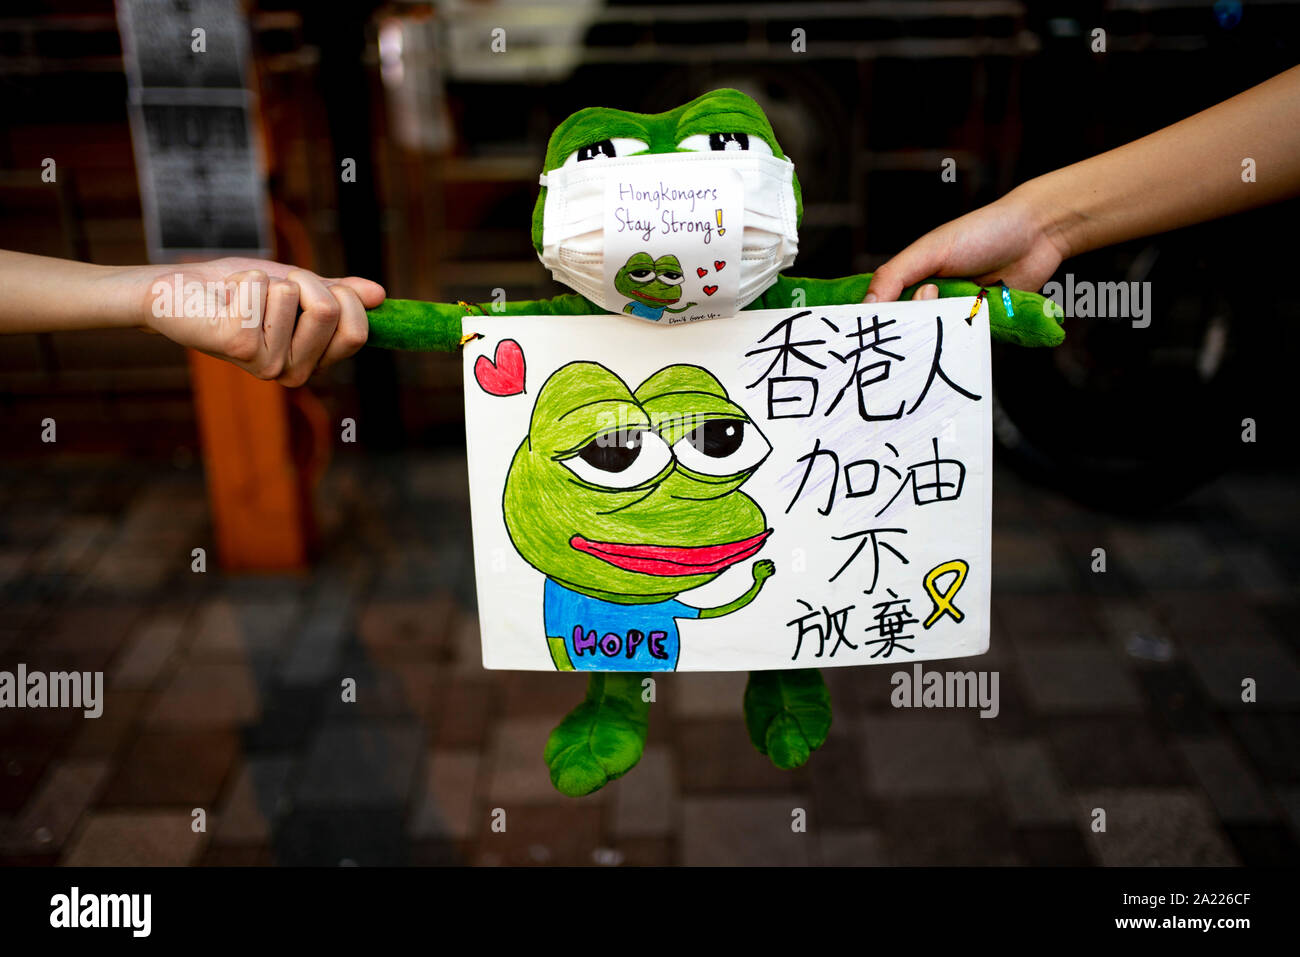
point(1030, 322)
point(435, 326)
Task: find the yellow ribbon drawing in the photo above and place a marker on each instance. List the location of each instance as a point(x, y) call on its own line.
point(943, 603)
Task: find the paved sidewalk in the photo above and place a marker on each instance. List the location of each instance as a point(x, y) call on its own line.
point(1119, 691)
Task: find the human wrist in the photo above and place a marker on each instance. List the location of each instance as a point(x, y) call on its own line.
point(127, 293)
point(1043, 205)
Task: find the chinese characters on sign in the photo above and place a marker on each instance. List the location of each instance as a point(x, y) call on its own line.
point(802, 350)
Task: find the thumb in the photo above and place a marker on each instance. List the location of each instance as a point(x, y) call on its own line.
point(918, 261)
point(369, 292)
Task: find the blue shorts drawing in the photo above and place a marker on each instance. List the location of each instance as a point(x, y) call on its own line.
point(598, 635)
point(647, 312)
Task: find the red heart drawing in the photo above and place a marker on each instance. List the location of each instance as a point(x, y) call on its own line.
point(718, 264)
point(701, 271)
point(503, 375)
point(710, 290)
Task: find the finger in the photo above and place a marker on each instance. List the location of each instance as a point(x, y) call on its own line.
point(277, 325)
point(240, 317)
point(370, 293)
point(353, 327)
point(315, 327)
point(916, 262)
point(928, 291)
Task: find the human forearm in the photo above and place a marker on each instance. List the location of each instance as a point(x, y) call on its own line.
point(40, 294)
point(271, 319)
point(1183, 174)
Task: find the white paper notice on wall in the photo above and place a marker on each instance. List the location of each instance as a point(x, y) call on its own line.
point(782, 489)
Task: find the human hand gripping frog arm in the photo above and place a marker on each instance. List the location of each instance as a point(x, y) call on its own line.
point(1183, 174)
point(272, 320)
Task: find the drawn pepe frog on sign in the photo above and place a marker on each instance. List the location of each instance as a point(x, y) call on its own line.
point(624, 499)
point(653, 285)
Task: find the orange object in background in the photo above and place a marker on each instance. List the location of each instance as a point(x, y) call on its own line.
point(259, 493)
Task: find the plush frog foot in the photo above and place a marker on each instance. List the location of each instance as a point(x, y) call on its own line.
point(788, 714)
point(601, 739)
point(596, 560)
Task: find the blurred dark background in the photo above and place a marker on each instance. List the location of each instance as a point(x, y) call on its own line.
point(1128, 438)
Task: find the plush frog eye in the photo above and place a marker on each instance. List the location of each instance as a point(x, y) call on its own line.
point(722, 447)
point(728, 142)
point(622, 459)
point(617, 146)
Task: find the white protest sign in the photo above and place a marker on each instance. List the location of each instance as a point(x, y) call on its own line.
point(781, 489)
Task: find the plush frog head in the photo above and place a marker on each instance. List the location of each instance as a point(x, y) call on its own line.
point(717, 121)
point(634, 496)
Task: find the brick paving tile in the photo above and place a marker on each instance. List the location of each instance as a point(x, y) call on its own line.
point(135, 839)
point(706, 694)
point(945, 830)
point(1027, 562)
point(542, 693)
point(850, 847)
point(1223, 772)
point(717, 755)
point(92, 633)
point(1095, 752)
point(1075, 678)
point(22, 766)
point(1030, 618)
point(445, 806)
point(50, 815)
point(836, 781)
point(1223, 666)
point(1030, 785)
point(413, 629)
point(640, 852)
point(464, 713)
point(744, 831)
point(184, 768)
point(1175, 697)
point(1263, 845)
point(257, 798)
point(1173, 557)
point(342, 837)
point(1155, 827)
point(148, 651)
point(923, 754)
point(562, 834)
point(645, 801)
point(1270, 742)
point(359, 764)
point(236, 855)
point(206, 695)
point(1051, 846)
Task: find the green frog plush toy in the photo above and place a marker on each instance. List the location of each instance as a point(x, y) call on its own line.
point(787, 713)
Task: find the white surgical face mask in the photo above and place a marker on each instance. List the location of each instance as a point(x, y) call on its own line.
point(574, 219)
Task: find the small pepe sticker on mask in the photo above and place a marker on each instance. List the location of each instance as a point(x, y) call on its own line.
point(673, 242)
